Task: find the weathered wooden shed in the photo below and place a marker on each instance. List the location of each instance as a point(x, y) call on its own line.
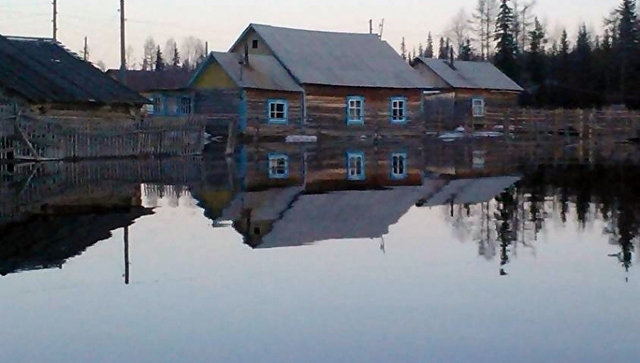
point(463, 92)
point(57, 106)
point(253, 91)
point(351, 83)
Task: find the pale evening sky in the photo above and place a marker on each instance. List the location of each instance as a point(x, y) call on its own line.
point(220, 22)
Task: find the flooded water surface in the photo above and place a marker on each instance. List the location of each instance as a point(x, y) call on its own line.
point(372, 253)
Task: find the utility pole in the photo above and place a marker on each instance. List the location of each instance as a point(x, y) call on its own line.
point(123, 58)
point(55, 20)
point(126, 255)
point(86, 50)
point(370, 26)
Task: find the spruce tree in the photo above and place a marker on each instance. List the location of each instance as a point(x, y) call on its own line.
point(466, 52)
point(505, 58)
point(428, 52)
point(628, 51)
point(175, 60)
point(159, 61)
point(403, 49)
point(442, 51)
point(537, 53)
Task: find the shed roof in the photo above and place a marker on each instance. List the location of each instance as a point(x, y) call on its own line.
point(146, 81)
point(41, 70)
point(337, 59)
point(263, 72)
point(471, 75)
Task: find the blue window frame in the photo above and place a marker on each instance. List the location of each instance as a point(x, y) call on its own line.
point(278, 166)
point(398, 166)
point(398, 110)
point(355, 110)
point(355, 166)
point(278, 111)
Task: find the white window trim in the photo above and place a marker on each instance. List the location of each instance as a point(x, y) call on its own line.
point(276, 120)
point(479, 109)
point(275, 158)
point(394, 174)
point(394, 101)
point(360, 120)
point(358, 157)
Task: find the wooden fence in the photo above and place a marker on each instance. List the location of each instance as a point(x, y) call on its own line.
point(30, 137)
point(561, 126)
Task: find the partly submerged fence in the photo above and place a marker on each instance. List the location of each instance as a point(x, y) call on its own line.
point(27, 137)
point(559, 126)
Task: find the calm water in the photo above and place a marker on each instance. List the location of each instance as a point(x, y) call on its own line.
point(290, 253)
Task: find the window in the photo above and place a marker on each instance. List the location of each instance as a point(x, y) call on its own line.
point(355, 166)
point(156, 105)
point(278, 166)
point(478, 107)
point(278, 110)
point(398, 110)
point(185, 106)
point(254, 44)
point(355, 110)
point(398, 166)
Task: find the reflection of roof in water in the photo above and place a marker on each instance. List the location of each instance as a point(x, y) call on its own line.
point(49, 241)
point(264, 205)
point(470, 191)
point(369, 213)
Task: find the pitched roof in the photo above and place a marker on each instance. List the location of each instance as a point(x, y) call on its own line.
point(337, 59)
point(471, 75)
point(145, 81)
point(263, 72)
point(41, 70)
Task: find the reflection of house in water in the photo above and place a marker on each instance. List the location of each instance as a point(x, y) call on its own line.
point(340, 193)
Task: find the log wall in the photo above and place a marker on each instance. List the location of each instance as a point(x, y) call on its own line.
point(327, 111)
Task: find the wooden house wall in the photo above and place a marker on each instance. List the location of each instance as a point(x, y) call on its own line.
point(327, 169)
point(214, 77)
point(218, 107)
point(248, 39)
point(257, 103)
point(253, 164)
point(495, 101)
point(327, 110)
point(450, 109)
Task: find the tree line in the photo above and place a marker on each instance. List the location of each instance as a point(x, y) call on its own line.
point(592, 70)
point(186, 57)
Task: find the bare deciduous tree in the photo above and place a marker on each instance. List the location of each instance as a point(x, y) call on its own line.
point(459, 29)
point(192, 51)
point(149, 59)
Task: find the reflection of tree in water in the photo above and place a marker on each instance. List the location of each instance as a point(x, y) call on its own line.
point(517, 216)
point(153, 193)
point(506, 218)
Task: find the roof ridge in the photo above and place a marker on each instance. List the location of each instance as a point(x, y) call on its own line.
point(313, 30)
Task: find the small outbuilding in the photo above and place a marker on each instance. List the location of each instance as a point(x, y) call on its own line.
point(462, 92)
point(166, 90)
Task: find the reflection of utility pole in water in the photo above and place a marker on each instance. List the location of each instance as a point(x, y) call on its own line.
point(126, 255)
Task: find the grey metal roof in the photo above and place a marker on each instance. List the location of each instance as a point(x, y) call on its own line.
point(471, 75)
point(41, 70)
point(338, 59)
point(263, 72)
